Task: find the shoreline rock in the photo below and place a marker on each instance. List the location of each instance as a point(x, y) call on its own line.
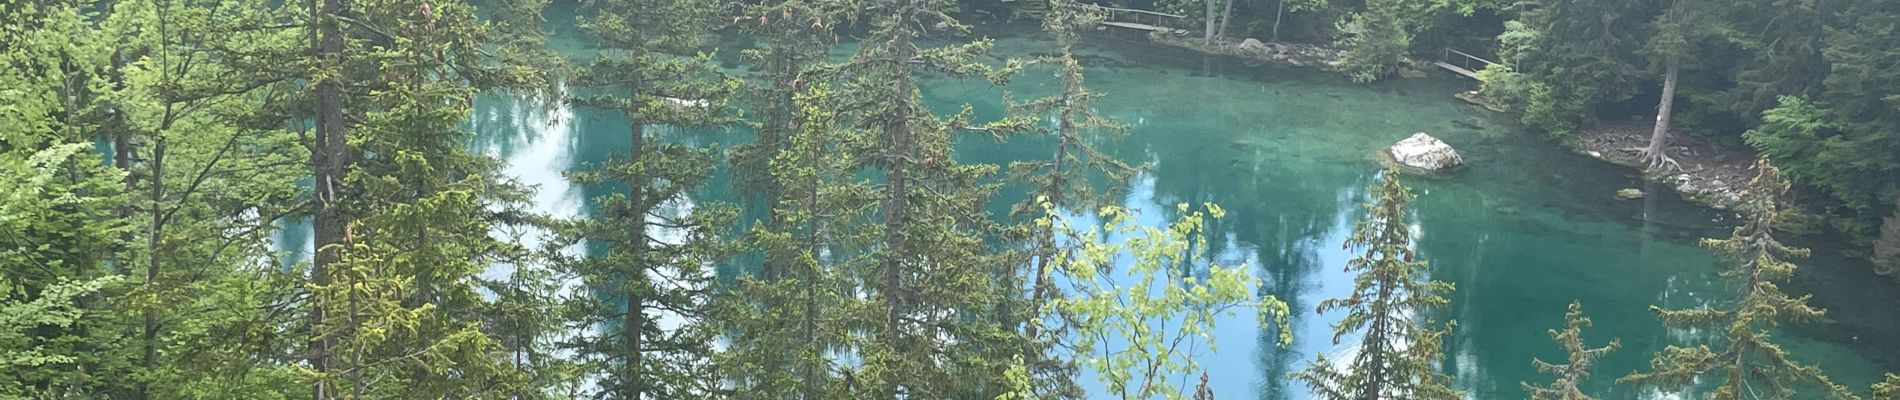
point(1423, 152)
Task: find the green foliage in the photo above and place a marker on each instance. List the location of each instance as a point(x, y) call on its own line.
point(1397, 357)
point(1751, 364)
point(1574, 55)
point(1376, 41)
point(1504, 88)
point(23, 360)
point(1582, 359)
point(1888, 389)
point(1066, 181)
point(1135, 313)
point(784, 321)
point(1887, 246)
point(651, 246)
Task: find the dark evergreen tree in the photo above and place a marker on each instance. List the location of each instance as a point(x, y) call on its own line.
point(1397, 356)
point(1749, 364)
point(1064, 183)
point(1562, 59)
point(929, 335)
point(1376, 40)
point(652, 245)
point(1670, 44)
point(1842, 139)
point(781, 321)
point(1582, 359)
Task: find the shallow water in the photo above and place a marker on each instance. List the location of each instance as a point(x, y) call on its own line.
point(1522, 231)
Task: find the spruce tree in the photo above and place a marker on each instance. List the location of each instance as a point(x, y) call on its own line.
point(1564, 57)
point(1397, 357)
point(1582, 359)
point(651, 243)
point(932, 284)
point(404, 209)
point(1748, 363)
point(1376, 40)
point(1062, 183)
point(779, 320)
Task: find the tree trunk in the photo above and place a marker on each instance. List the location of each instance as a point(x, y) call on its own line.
point(1278, 11)
point(1226, 17)
point(152, 244)
point(1038, 290)
point(810, 281)
point(1374, 346)
point(633, 328)
point(896, 194)
point(1659, 138)
point(1207, 30)
point(329, 162)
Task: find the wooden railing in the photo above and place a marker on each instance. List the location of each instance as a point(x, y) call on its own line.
point(1466, 60)
point(1141, 16)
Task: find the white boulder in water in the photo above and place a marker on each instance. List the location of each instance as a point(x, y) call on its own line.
point(1425, 152)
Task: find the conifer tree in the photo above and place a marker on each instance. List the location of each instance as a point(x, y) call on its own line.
point(1888, 389)
point(1063, 182)
point(1376, 40)
point(932, 283)
point(1397, 357)
point(652, 243)
point(781, 319)
point(403, 209)
point(1564, 57)
point(1582, 359)
point(787, 329)
point(1747, 363)
point(1671, 43)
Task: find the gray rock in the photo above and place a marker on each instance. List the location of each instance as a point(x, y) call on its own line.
point(1422, 151)
point(1255, 46)
point(1629, 193)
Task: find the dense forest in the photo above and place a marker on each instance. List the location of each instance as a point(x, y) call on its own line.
point(151, 149)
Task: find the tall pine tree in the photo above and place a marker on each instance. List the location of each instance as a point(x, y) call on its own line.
point(652, 244)
point(1749, 365)
point(1397, 356)
point(1582, 359)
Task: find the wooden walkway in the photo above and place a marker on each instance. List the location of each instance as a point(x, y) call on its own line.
point(1464, 66)
point(1141, 20)
point(1136, 26)
point(1456, 70)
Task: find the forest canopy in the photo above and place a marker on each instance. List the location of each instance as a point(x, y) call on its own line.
point(150, 150)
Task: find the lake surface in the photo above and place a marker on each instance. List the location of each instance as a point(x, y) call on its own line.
point(1522, 231)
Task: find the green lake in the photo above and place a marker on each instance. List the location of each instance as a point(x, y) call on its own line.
point(1522, 231)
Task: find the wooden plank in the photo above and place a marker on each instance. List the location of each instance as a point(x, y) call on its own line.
point(1131, 25)
point(1456, 70)
point(1143, 12)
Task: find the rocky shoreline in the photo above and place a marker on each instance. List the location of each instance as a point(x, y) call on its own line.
point(1711, 175)
point(1254, 50)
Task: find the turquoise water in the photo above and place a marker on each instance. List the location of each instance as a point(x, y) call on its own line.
point(1522, 231)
